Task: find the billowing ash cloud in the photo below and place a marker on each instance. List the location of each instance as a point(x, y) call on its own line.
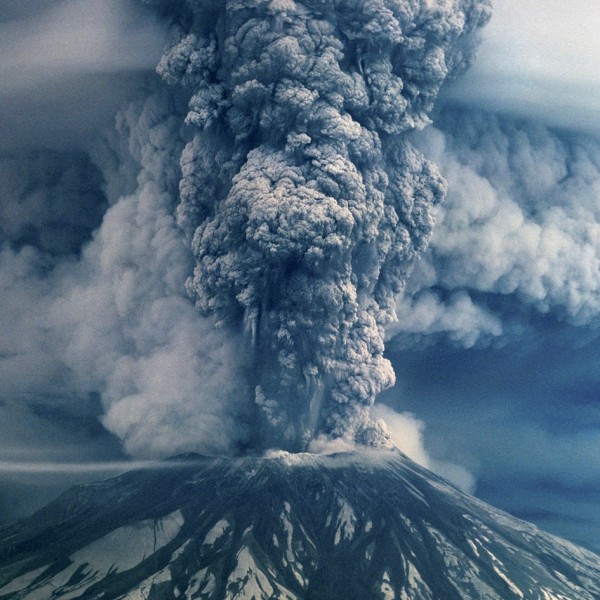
point(111, 317)
point(521, 220)
point(304, 201)
point(274, 173)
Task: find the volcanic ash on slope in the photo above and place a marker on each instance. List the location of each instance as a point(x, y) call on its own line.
point(367, 525)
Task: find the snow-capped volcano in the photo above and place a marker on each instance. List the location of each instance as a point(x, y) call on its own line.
point(346, 526)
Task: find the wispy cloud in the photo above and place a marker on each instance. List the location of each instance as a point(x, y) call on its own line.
point(76, 467)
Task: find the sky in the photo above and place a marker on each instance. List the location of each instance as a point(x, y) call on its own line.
point(496, 344)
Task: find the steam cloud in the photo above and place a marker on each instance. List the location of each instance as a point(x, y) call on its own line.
point(276, 170)
point(521, 219)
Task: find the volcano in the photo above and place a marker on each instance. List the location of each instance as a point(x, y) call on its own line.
point(371, 524)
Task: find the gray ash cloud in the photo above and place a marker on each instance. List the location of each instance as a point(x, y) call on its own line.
point(305, 203)
point(520, 223)
point(269, 167)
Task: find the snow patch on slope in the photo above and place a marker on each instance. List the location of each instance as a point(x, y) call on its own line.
point(461, 569)
point(202, 584)
point(118, 551)
point(548, 595)
point(20, 583)
point(345, 524)
point(386, 587)
point(248, 582)
point(291, 559)
point(416, 587)
point(497, 566)
point(142, 591)
point(216, 532)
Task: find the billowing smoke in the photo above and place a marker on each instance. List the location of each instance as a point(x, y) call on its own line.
point(520, 220)
point(270, 168)
point(105, 313)
point(304, 201)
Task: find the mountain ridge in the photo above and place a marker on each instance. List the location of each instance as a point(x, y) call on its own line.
point(372, 524)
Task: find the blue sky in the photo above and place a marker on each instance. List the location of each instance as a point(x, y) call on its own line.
point(520, 418)
point(497, 344)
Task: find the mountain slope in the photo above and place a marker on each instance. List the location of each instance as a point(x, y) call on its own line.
point(347, 526)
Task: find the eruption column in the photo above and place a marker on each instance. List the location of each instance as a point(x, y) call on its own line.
point(304, 202)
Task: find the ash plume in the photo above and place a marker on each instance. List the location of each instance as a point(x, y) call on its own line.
point(113, 309)
point(520, 222)
point(303, 200)
point(275, 170)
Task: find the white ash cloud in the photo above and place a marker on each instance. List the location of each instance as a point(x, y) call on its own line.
point(115, 320)
point(521, 219)
point(170, 381)
point(408, 435)
point(305, 201)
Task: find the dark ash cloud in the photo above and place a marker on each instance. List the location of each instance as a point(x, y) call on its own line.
point(306, 203)
point(303, 200)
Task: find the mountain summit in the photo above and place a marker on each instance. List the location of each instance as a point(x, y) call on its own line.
point(289, 526)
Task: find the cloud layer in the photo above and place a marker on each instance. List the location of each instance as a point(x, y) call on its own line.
point(521, 219)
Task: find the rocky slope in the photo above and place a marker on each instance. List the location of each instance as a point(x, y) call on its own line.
point(346, 526)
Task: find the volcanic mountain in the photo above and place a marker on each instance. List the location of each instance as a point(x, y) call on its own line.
point(361, 525)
